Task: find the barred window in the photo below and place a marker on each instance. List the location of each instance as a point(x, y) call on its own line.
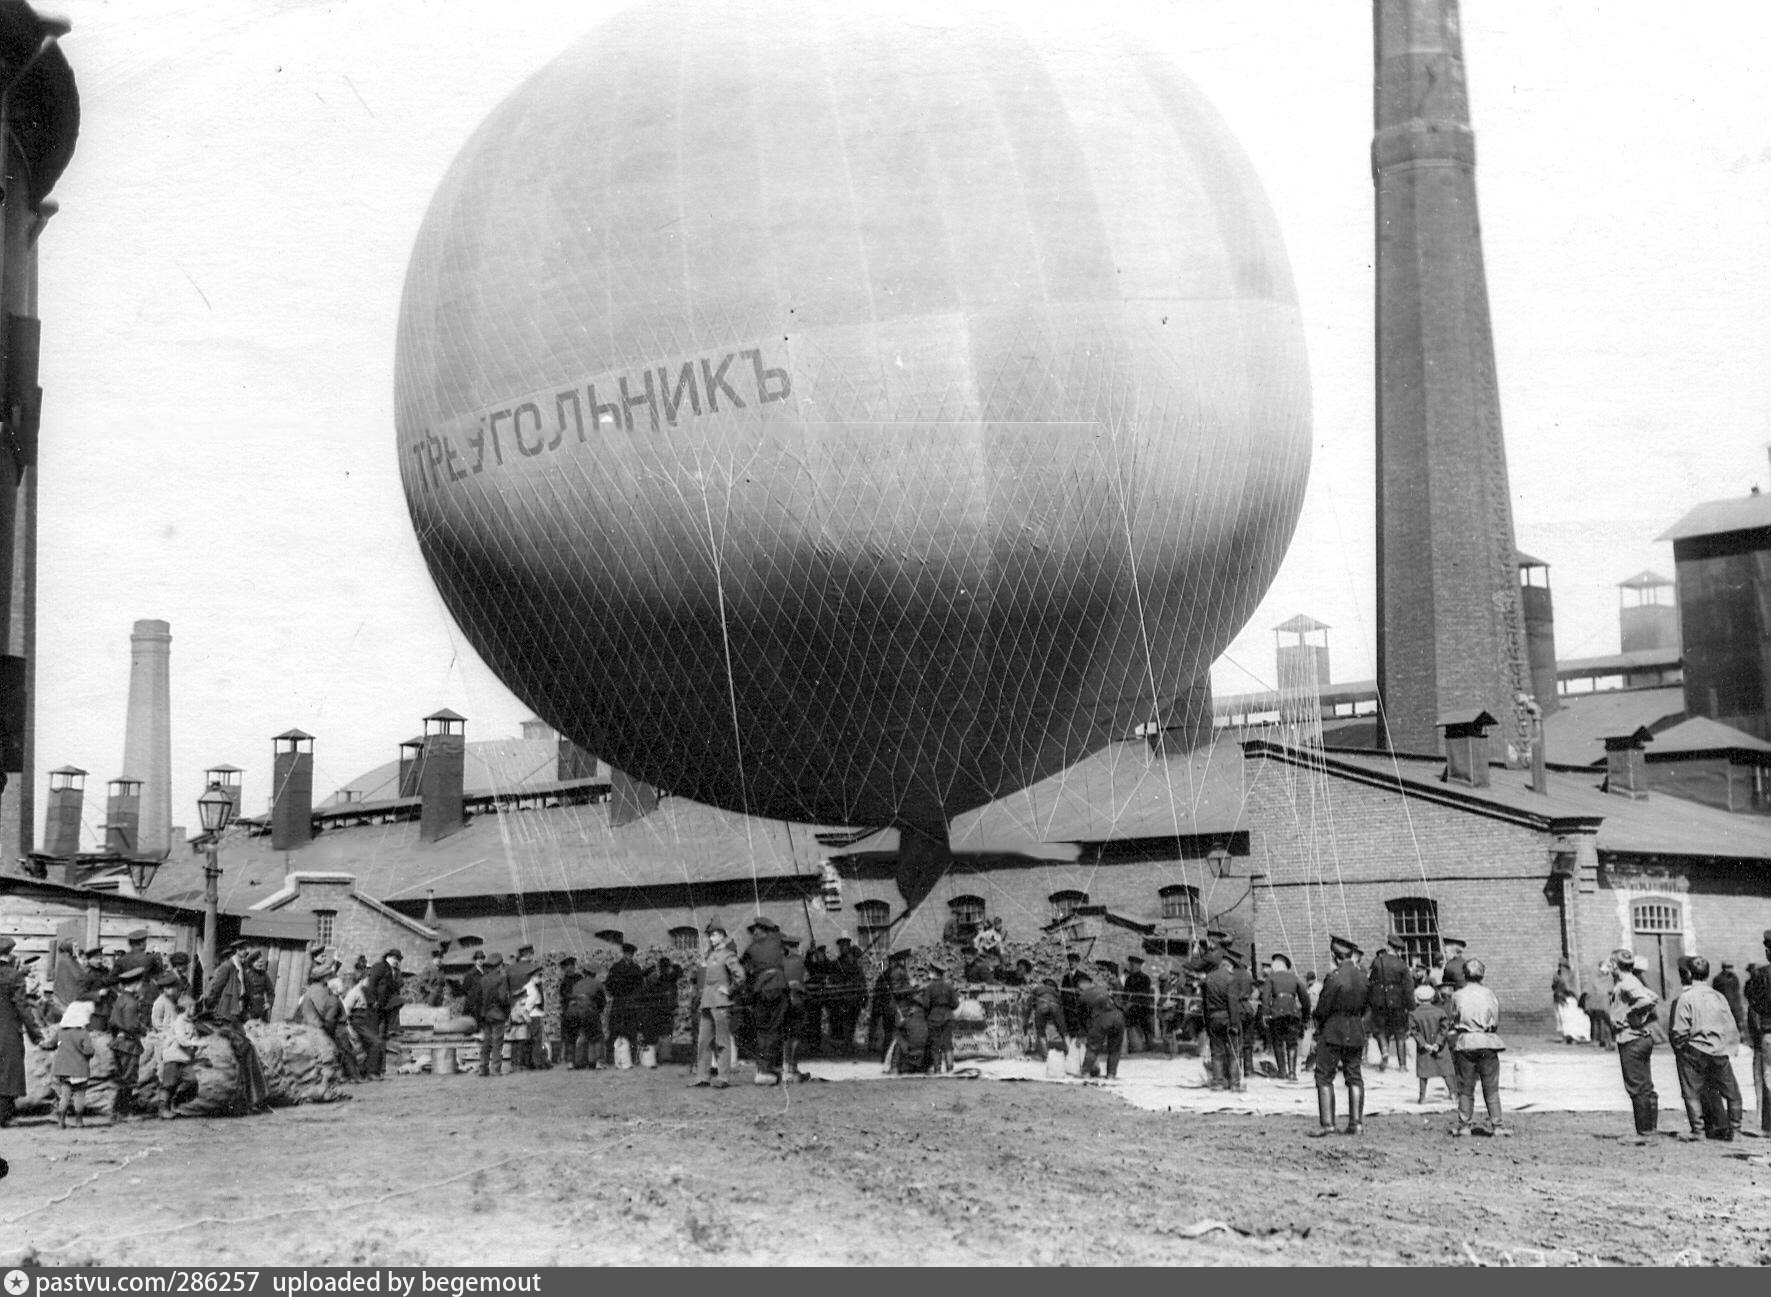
point(1657, 916)
point(1180, 903)
point(1064, 903)
point(1416, 920)
point(873, 921)
point(685, 940)
point(969, 910)
point(323, 923)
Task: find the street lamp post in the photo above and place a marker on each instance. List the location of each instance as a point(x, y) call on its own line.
point(216, 809)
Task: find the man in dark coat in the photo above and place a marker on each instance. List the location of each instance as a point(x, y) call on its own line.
point(259, 993)
point(1392, 1000)
point(848, 993)
point(882, 1019)
point(470, 985)
point(492, 999)
point(16, 1021)
point(1727, 984)
point(1285, 1003)
point(1223, 1009)
point(1067, 990)
point(764, 959)
point(1045, 1008)
point(129, 1022)
point(1453, 973)
point(1340, 1037)
point(180, 966)
point(625, 985)
point(224, 999)
point(139, 956)
point(942, 1000)
point(796, 1024)
point(383, 999)
point(581, 1014)
point(1104, 1025)
point(98, 985)
point(1140, 1005)
point(1758, 1030)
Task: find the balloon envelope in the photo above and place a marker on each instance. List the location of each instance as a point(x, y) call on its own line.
point(846, 417)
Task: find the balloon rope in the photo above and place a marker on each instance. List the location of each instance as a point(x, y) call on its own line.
point(732, 699)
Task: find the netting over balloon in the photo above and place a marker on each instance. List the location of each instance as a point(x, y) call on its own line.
point(831, 419)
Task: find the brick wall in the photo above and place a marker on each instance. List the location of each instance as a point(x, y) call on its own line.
point(357, 929)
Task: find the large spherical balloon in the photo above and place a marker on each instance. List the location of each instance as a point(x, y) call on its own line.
point(846, 417)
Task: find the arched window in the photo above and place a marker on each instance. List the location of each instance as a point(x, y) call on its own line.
point(873, 921)
point(968, 912)
point(1416, 920)
point(685, 940)
point(1180, 904)
point(1064, 903)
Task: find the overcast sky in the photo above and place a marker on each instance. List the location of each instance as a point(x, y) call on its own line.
point(220, 291)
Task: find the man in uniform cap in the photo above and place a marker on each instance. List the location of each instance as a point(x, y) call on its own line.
point(848, 993)
point(493, 1015)
point(1285, 1003)
point(942, 1000)
point(1453, 973)
point(139, 956)
point(625, 985)
point(1140, 1006)
point(1392, 1000)
point(16, 1021)
point(1633, 1014)
point(1072, 999)
point(766, 993)
point(1758, 1031)
point(1340, 1038)
point(1223, 1008)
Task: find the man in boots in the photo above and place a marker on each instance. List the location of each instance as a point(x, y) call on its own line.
point(943, 1002)
point(1223, 1024)
point(1634, 1011)
point(764, 960)
point(1340, 1038)
point(1103, 1021)
point(1285, 1004)
point(1392, 1000)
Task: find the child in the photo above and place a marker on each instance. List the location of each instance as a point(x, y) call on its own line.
point(1426, 1023)
point(73, 1050)
point(176, 1054)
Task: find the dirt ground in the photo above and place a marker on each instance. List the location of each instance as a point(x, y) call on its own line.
point(565, 1167)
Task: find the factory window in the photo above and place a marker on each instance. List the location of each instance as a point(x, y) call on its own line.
point(1064, 903)
point(1657, 916)
point(1180, 903)
point(873, 920)
point(968, 917)
point(1416, 920)
point(685, 940)
point(323, 920)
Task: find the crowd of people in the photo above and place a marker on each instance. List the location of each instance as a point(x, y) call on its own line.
point(765, 999)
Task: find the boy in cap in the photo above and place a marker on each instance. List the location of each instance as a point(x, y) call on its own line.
point(1633, 1014)
point(128, 1025)
point(1340, 1038)
point(1704, 1037)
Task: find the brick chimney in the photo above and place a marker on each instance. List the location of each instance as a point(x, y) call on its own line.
point(123, 815)
point(1466, 747)
point(292, 790)
point(1626, 764)
point(411, 763)
point(147, 735)
point(226, 778)
point(441, 775)
point(67, 802)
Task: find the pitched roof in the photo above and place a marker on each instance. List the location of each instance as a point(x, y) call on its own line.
point(1575, 733)
point(488, 766)
point(1645, 580)
point(1655, 825)
point(1701, 734)
point(1716, 517)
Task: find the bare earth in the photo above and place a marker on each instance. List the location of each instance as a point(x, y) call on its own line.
point(569, 1168)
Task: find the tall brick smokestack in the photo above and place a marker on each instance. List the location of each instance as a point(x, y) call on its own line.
point(147, 733)
point(292, 790)
point(1451, 636)
point(441, 775)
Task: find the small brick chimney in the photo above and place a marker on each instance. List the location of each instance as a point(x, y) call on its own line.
point(67, 803)
point(1626, 764)
point(292, 790)
point(226, 778)
point(441, 775)
point(411, 763)
point(1466, 747)
point(123, 815)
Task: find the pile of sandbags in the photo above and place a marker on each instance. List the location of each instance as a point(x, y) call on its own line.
point(300, 1062)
